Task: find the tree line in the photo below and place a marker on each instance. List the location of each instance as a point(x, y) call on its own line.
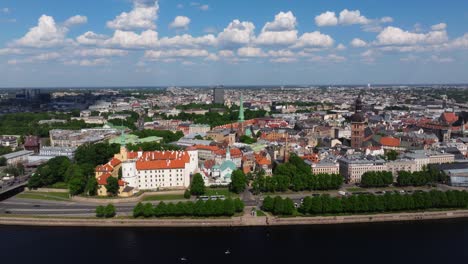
point(370, 203)
point(278, 205)
point(376, 179)
point(200, 208)
point(296, 175)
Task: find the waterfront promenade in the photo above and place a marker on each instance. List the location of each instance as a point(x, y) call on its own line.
point(240, 221)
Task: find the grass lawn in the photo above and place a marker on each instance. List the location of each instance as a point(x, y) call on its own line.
point(221, 191)
point(164, 197)
point(44, 196)
point(260, 213)
point(58, 185)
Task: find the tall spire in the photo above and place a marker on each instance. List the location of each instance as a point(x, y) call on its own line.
point(122, 138)
point(241, 109)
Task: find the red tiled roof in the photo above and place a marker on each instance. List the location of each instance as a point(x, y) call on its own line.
point(449, 117)
point(102, 180)
point(114, 162)
point(390, 141)
point(235, 152)
point(104, 168)
point(160, 160)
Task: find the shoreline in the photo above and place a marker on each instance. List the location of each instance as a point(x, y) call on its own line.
point(244, 221)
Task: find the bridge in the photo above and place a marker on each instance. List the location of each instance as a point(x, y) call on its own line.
point(13, 184)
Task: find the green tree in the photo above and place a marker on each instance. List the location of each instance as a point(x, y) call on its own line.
point(198, 185)
point(187, 194)
point(109, 211)
point(238, 181)
point(391, 155)
point(91, 186)
point(100, 211)
point(3, 161)
point(138, 210)
point(112, 186)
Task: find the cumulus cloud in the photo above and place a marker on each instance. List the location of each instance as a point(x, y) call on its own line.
point(283, 60)
point(91, 38)
point(358, 43)
point(46, 34)
point(10, 51)
point(352, 17)
point(76, 20)
point(281, 31)
point(340, 47)
point(314, 39)
point(439, 27)
point(180, 22)
point(283, 22)
point(397, 36)
point(88, 63)
point(326, 19)
point(250, 52)
point(100, 52)
point(187, 40)
point(236, 34)
point(142, 16)
point(175, 53)
point(461, 42)
point(131, 40)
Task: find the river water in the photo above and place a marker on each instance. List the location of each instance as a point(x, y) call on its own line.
point(412, 242)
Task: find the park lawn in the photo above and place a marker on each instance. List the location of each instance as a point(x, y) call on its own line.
point(220, 191)
point(44, 196)
point(260, 213)
point(164, 197)
point(59, 185)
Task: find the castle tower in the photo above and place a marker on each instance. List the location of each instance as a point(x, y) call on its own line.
point(123, 148)
point(357, 125)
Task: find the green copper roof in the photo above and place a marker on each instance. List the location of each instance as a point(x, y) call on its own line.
point(241, 109)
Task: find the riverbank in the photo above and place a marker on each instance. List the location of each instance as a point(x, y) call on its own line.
point(243, 221)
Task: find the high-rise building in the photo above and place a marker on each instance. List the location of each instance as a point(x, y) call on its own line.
point(357, 125)
point(218, 95)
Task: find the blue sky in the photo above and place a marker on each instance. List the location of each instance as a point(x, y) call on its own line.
point(55, 43)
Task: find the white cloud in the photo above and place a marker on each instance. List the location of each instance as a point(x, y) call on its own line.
point(281, 53)
point(341, 47)
point(461, 42)
point(200, 6)
point(175, 53)
point(10, 51)
point(237, 34)
point(277, 38)
point(76, 20)
point(212, 57)
point(358, 43)
point(439, 27)
point(5, 10)
point(91, 38)
point(281, 31)
point(187, 40)
point(100, 52)
point(283, 60)
point(226, 53)
point(88, 63)
point(46, 34)
point(314, 39)
point(129, 39)
point(352, 17)
point(180, 22)
point(250, 52)
point(283, 22)
point(397, 36)
point(142, 16)
point(326, 19)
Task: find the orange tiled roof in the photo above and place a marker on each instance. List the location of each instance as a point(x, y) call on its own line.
point(449, 117)
point(102, 180)
point(235, 152)
point(104, 168)
point(114, 162)
point(390, 141)
point(262, 160)
point(160, 160)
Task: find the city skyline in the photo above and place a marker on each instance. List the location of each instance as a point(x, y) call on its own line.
point(159, 43)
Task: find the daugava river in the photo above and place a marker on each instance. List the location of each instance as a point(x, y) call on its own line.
point(414, 242)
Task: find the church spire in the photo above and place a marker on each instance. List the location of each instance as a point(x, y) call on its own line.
point(122, 138)
point(241, 109)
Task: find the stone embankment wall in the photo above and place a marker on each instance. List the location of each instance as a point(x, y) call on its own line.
point(231, 222)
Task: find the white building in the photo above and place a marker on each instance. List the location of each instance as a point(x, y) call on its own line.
point(157, 170)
